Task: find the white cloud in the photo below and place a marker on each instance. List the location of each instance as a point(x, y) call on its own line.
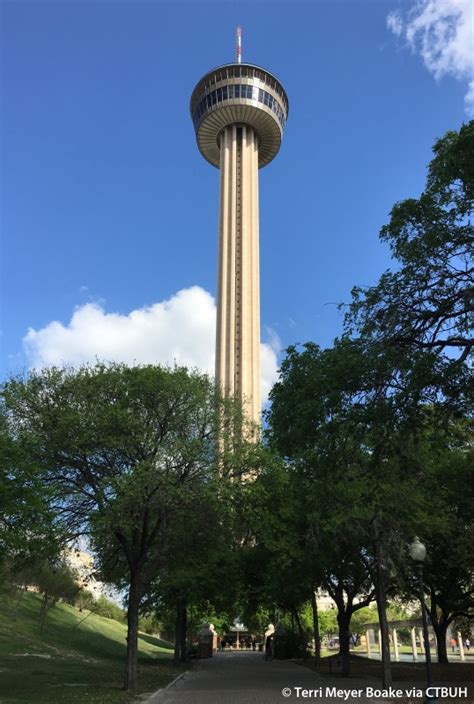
point(395, 23)
point(269, 362)
point(181, 330)
point(442, 32)
point(469, 99)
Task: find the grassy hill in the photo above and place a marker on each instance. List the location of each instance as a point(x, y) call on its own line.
point(71, 662)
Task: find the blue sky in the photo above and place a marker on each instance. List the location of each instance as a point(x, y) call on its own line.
point(109, 209)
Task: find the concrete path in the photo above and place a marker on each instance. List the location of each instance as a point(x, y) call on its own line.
point(245, 678)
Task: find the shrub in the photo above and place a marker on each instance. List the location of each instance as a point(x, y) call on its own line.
point(85, 600)
point(107, 609)
point(149, 624)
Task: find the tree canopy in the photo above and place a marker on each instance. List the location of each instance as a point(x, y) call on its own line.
point(123, 451)
point(427, 302)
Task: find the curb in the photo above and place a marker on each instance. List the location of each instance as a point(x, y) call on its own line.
point(155, 697)
point(173, 682)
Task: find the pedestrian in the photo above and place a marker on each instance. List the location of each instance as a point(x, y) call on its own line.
point(467, 643)
point(223, 644)
point(269, 648)
point(453, 644)
point(254, 644)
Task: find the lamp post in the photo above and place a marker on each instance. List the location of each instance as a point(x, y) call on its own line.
point(418, 555)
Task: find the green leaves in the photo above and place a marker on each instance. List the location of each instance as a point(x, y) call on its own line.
point(128, 457)
point(27, 523)
point(427, 302)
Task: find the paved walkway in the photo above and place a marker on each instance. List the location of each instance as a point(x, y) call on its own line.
point(245, 678)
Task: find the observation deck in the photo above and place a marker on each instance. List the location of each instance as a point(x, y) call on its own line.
point(239, 94)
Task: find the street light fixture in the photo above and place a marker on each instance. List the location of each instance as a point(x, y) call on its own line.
point(418, 555)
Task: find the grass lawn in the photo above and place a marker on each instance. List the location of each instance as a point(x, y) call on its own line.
point(461, 674)
point(75, 665)
point(408, 671)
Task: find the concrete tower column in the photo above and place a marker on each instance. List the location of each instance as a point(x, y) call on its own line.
point(238, 295)
point(239, 112)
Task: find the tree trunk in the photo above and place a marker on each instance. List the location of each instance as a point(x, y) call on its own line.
point(381, 598)
point(384, 630)
point(177, 634)
point(301, 635)
point(183, 632)
point(441, 629)
point(343, 621)
point(21, 591)
point(44, 612)
point(317, 639)
point(134, 596)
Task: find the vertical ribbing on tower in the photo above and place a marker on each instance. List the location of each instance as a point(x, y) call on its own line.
point(238, 304)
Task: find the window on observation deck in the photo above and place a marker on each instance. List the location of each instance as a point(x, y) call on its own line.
point(248, 92)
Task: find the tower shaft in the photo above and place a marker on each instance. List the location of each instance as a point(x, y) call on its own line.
point(239, 113)
point(238, 294)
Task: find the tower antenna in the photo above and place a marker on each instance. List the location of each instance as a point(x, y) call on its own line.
point(238, 44)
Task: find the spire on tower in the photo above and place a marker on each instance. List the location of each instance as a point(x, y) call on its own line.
point(238, 44)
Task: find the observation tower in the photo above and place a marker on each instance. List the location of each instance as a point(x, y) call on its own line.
point(239, 112)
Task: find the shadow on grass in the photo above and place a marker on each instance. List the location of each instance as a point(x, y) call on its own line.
point(153, 640)
point(68, 665)
point(401, 671)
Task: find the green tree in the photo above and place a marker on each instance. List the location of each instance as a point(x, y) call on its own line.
point(55, 580)
point(123, 449)
point(199, 561)
point(427, 302)
point(344, 419)
point(423, 311)
point(447, 527)
point(277, 572)
point(328, 625)
point(363, 617)
point(28, 532)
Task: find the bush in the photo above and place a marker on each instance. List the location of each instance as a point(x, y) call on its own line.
point(85, 600)
point(107, 609)
point(54, 581)
point(149, 624)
